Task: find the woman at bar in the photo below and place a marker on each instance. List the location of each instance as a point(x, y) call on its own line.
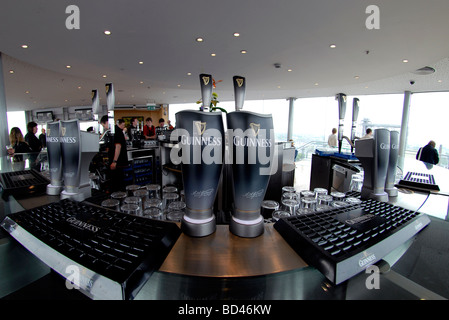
point(18, 144)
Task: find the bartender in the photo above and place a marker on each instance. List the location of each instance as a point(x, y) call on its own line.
point(132, 128)
point(119, 157)
point(149, 131)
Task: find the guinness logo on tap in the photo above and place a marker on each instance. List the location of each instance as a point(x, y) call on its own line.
point(239, 81)
point(255, 127)
point(206, 80)
point(200, 127)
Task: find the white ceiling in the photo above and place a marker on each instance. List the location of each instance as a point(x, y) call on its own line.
point(294, 33)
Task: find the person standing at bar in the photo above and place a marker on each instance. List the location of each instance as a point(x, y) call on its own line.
point(43, 138)
point(34, 143)
point(149, 132)
point(31, 138)
point(132, 130)
point(119, 160)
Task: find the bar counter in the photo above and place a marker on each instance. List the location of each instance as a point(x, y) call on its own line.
point(225, 266)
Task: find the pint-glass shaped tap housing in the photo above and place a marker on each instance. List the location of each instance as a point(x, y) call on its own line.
point(201, 141)
point(251, 148)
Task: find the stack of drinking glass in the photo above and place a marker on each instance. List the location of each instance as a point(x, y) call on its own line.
point(307, 201)
point(149, 202)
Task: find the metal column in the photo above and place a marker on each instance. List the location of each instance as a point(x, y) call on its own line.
point(4, 134)
point(404, 129)
point(290, 118)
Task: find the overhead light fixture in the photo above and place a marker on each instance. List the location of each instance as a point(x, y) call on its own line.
point(405, 60)
point(289, 70)
point(316, 83)
point(25, 46)
point(107, 32)
point(189, 73)
point(104, 76)
point(11, 71)
point(356, 77)
point(332, 46)
point(213, 54)
point(236, 34)
point(243, 51)
point(199, 39)
point(68, 67)
point(140, 62)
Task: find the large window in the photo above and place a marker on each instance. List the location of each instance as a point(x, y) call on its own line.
point(428, 121)
point(314, 118)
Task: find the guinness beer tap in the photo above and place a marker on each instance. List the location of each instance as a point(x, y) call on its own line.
point(110, 96)
point(374, 154)
point(201, 139)
point(341, 98)
point(200, 135)
point(54, 159)
point(239, 92)
point(392, 164)
point(251, 146)
point(206, 90)
point(355, 115)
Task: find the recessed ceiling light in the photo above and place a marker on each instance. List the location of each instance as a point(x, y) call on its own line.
point(68, 67)
point(141, 82)
point(189, 73)
point(316, 83)
point(279, 87)
point(213, 54)
point(199, 39)
point(27, 92)
point(243, 51)
point(179, 85)
point(107, 32)
point(289, 70)
point(356, 77)
point(140, 62)
point(104, 76)
point(25, 46)
point(236, 34)
point(11, 71)
point(332, 46)
point(405, 60)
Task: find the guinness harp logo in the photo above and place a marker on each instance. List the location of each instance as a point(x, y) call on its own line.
point(255, 127)
point(239, 81)
point(63, 130)
point(200, 127)
point(93, 94)
point(49, 132)
point(206, 80)
point(108, 87)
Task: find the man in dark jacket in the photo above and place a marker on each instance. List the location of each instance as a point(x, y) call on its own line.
point(428, 153)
